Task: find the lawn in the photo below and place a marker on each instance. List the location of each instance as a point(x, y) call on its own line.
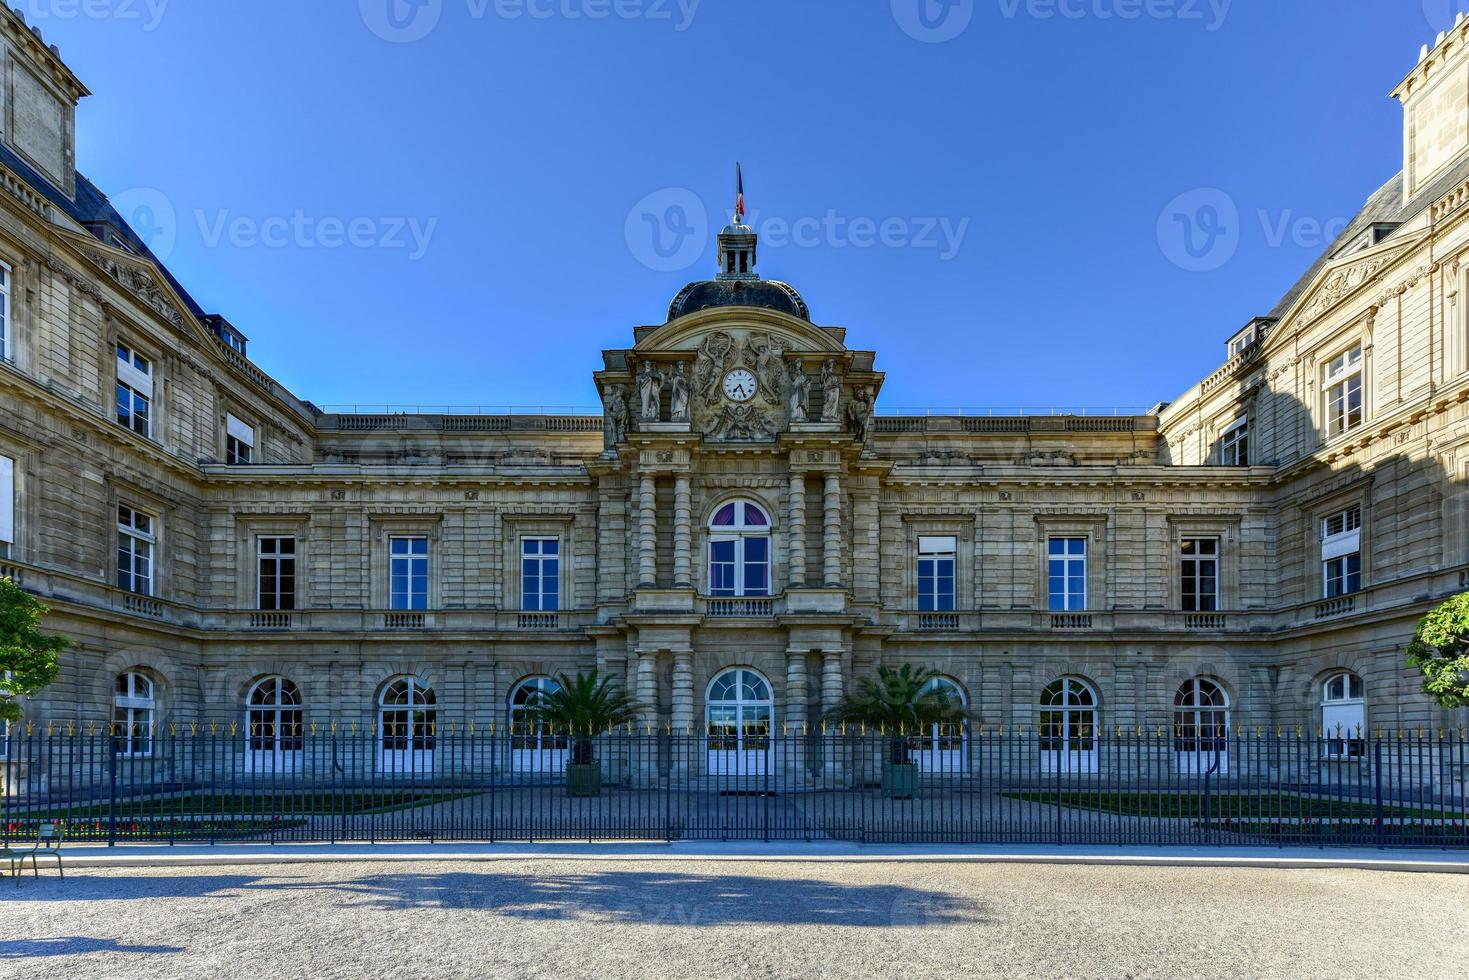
point(245, 805)
point(1228, 805)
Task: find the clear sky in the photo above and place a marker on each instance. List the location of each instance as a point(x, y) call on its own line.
point(992, 194)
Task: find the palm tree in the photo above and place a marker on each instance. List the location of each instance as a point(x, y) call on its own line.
point(900, 703)
point(583, 706)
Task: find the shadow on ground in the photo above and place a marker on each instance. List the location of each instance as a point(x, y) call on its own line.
point(662, 898)
point(17, 949)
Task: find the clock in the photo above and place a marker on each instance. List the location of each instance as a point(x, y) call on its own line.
point(740, 385)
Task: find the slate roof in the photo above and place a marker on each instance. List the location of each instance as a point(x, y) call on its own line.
point(767, 293)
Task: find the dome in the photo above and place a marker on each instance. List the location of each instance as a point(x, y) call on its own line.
point(770, 294)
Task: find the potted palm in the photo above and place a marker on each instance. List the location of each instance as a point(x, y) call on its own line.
point(900, 704)
point(583, 706)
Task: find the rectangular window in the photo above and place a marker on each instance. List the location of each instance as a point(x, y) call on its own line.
point(134, 391)
point(409, 586)
point(276, 573)
point(1200, 575)
point(540, 574)
point(1341, 552)
point(6, 343)
point(936, 574)
point(136, 536)
point(7, 505)
point(1067, 573)
point(1344, 393)
point(1234, 445)
point(239, 442)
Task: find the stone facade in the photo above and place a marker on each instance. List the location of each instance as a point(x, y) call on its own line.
point(738, 398)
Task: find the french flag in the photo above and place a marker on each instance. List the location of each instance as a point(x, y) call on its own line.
point(739, 192)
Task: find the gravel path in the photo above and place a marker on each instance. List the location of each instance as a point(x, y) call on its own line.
point(670, 920)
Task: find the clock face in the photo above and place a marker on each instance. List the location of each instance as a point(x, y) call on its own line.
point(739, 385)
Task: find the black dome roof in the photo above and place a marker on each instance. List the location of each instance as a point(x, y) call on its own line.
point(770, 294)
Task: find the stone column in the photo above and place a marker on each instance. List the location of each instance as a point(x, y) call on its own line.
point(682, 744)
point(796, 539)
point(683, 533)
point(647, 533)
point(831, 531)
point(832, 687)
point(795, 752)
point(645, 754)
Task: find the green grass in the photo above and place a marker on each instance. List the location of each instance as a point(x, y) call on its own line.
point(23, 832)
point(246, 805)
point(1226, 805)
point(1287, 833)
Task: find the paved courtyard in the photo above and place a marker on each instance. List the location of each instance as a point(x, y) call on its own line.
point(610, 919)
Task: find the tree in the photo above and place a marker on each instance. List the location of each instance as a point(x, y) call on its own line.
point(583, 706)
point(28, 657)
point(901, 703)
point(1440, 649)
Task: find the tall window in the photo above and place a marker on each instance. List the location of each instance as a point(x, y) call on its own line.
point(239, 442)
point(1344, 392)
point(1067, 574)
point(133, 708)
point(540, 574)
point(1068, 726)
point(1341, 552)
point(7, 505)
point(276, 572)
point(739, 551)
point(273, 717)
point(936, 574)
point(1201, 726)
point(941, 749)
point(1234, 445)
point(1200, 578)
point(1344, 716)
point(6, 354)
point(135, 540)
point(532, 747)
point(409, 561)
point(407, 725)
point(134, 391)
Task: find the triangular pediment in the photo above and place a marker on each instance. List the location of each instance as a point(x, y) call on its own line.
point(1342, 278)
point(137, 275)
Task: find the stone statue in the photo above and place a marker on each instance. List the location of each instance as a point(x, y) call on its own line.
point(679, 396)
point(650, 391)
point(800, 386)
point(831, 393)
point(859, 413)
point(614, 417)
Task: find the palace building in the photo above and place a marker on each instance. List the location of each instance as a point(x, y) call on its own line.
point(739, 534)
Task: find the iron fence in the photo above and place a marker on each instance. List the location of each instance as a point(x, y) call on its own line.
point(193, 784)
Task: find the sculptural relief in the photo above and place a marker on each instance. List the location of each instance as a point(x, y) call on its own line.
point(678, 382)
point(800, 388)
point(614, 417)
point(859, 414)
point(650, 391)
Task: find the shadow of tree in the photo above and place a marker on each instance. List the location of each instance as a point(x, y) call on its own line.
point(83, 888)
point(17, 949)
point(666, 898)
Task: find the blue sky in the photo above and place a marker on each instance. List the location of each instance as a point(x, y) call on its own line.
point(990, 195)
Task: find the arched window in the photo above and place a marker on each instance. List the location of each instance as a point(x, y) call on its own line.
point(943, 748)
point(740, 719)
point(1201, 726)
point(273, 718)
point(1344, 716)
point(739, 551)
point(407, 723)
point(133, 713)
point(532, 748)
point(1068, 726)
